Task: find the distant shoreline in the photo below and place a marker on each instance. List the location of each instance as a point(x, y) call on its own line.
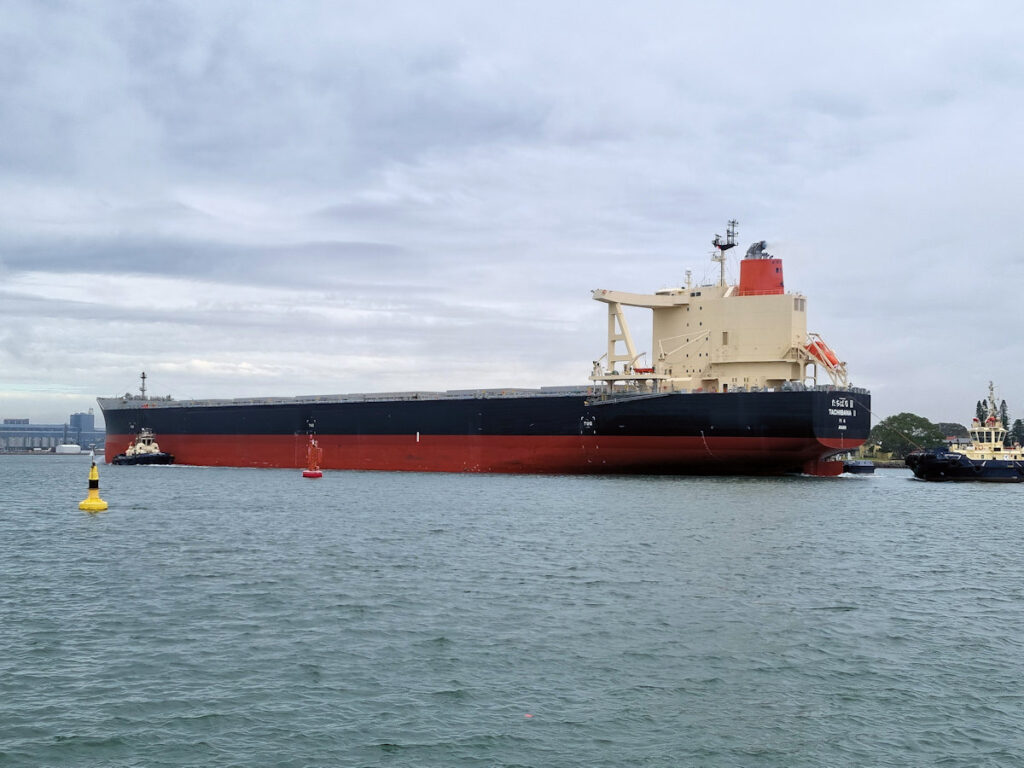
point(46, 453)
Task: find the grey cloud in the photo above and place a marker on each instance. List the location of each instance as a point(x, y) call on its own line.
point(465, 174)
point(353, 265)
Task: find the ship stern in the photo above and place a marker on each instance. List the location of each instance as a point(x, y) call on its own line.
point(842, 421)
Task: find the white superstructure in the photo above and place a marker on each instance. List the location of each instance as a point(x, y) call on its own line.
point(718, 337)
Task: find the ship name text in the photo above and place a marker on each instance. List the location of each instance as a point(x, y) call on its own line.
point(842, 406)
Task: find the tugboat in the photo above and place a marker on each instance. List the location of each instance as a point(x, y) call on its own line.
point(987, 460)
point(144, 450)
point(858, 467)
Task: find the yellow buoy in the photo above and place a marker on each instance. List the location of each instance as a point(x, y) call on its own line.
point(93, 502)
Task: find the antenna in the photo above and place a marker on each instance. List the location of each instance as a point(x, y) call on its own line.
point(730, 237)
point(721, 248)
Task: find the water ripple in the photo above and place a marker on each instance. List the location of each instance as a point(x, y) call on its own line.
point(247, 617)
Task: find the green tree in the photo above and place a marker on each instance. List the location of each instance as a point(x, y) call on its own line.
point(949, 429)
point(905, 432)
point(981, 411)
point(1017, 432)
point(1004, 414)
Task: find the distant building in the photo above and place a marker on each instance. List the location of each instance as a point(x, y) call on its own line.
point(83, 422)
point(19, 435)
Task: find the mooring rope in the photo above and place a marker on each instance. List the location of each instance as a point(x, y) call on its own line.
point(907, 437)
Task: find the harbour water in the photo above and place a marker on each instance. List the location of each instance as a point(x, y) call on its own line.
point(233, 617)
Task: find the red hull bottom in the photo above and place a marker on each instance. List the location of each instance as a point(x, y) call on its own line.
point(571, 454)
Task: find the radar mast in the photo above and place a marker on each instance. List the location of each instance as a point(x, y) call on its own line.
point(722, 247)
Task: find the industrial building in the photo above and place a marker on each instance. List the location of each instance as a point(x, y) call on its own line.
point(18, 435)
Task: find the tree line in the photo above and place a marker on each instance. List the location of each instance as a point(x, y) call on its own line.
point(981, 412)
point(906, 432)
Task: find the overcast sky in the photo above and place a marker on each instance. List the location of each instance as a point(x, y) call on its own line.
point(285, 198)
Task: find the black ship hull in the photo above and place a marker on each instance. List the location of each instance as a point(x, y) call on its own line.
point(857, 467)
point(143, 459)
point(949, 466)
point(530, 431)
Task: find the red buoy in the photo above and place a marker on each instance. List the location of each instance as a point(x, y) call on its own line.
point(313, 456)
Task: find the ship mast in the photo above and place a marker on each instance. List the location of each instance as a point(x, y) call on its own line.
point(721, 248)
point(993, 410)
point(142, 388)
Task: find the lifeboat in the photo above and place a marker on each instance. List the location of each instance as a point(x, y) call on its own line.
point(821, 351)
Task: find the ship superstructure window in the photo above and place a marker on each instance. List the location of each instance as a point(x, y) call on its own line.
point(800, 304)
point(725, 338)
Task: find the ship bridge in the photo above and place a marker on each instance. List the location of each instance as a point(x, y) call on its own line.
point(748, 336)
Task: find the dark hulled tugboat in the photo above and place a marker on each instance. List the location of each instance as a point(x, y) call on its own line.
point(858, 467)
point(987, 460)
point(144, 450)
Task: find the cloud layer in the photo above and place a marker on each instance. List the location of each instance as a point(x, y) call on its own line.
point(253, 199)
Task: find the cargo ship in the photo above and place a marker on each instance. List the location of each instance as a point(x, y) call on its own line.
point(735, 385)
